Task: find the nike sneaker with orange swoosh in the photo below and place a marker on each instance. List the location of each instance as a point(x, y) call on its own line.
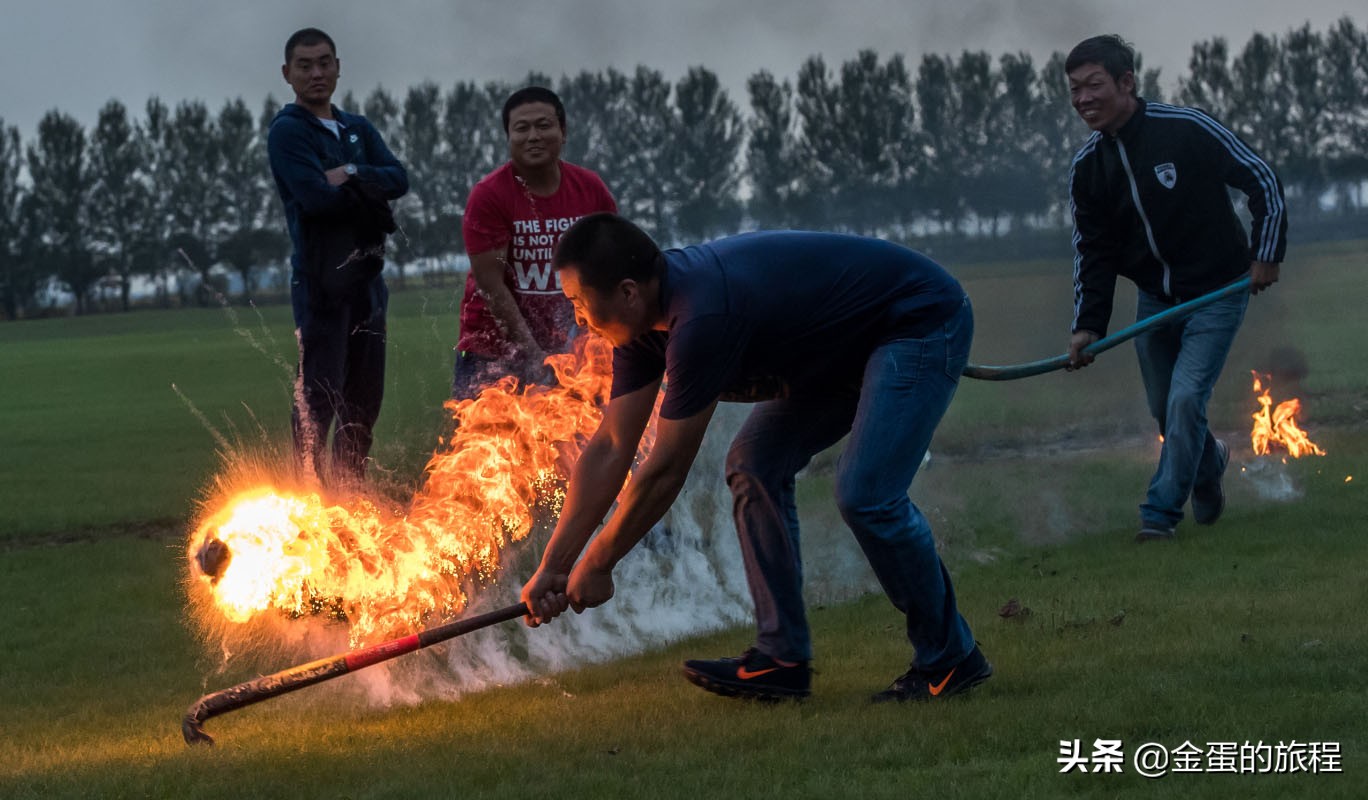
point(917, 685)
point(752, 675)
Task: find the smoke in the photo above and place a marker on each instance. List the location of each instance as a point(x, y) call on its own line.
point(1287, 367)
point(684, 579)
point(1267, 476)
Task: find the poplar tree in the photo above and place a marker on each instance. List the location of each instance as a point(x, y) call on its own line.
point(194, 158)
point(61, 183)
point(17, 276)
point(472, 126)
point(120, 198)
point(248, 236)
point(420, 145)
point(771, 161)
point(707, 148)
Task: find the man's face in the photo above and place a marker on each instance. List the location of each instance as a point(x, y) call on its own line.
point(312, 72)
point(535, 137)
point(1100, 100)
point(608, 314)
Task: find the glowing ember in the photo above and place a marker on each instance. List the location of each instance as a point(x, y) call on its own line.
point(385, 572)
point(1278, 426)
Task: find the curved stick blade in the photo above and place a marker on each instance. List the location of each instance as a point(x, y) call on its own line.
point(193, 731)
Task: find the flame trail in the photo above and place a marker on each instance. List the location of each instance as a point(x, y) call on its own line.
point(387, 570)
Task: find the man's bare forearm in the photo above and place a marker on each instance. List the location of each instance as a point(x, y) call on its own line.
point(489, 279)
point(594, 484)
point(644, 502)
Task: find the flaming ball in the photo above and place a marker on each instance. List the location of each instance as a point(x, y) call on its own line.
point(213, 557)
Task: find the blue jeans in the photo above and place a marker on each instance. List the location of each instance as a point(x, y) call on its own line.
point(1180, 363)
point(906, 388)
point(473, 372)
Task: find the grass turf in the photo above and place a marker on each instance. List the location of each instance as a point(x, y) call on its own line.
point(118, 420)
point(1247, 631)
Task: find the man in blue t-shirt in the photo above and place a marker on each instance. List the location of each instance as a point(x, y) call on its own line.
point(834, 335)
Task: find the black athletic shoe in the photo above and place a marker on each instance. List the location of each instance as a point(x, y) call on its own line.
point(1209, 501)
point(922, 686)
point(752, 675)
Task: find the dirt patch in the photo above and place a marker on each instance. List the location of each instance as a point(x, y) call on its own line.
point(162, 530)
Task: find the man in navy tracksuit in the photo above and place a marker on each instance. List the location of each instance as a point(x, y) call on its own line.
point(1150, 202)
point(335, 176)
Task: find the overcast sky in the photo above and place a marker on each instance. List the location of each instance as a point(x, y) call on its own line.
point(77, 54)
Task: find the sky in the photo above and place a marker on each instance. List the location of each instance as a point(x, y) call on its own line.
point(77, 54)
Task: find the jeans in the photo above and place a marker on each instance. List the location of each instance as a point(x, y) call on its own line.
point(1180, 363)
point(341, 375)
point(472, 373)
point(906, 387)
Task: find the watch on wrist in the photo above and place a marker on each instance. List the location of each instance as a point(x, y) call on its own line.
point(350, 169)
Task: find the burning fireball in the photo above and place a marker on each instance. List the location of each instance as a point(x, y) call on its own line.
point(268, 550)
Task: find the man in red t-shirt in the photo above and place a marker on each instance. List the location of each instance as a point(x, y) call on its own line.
point(513, 313)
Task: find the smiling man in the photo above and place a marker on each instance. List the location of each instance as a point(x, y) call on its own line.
point(513, 313)
point(834, 335)
point(335, 177)
point(1150, 202)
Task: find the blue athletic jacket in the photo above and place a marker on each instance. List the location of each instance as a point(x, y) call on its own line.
point(301, 148)
point(1152, 204)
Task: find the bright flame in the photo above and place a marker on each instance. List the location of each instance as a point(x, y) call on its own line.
point(388, 571)
point(1278, 426)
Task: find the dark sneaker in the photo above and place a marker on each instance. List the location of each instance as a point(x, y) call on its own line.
point(752, 675)
point(1154, 532)
point(921, 686)
point(1208, 501)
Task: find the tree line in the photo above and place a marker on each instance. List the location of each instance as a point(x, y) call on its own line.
point(963, 146)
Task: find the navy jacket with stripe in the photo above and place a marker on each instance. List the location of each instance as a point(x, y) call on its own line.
point(1151, 204)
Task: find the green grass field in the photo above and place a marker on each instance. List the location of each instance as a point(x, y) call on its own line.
point(1250, 631)
point(118, 420)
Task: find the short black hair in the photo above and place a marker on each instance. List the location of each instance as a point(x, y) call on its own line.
point(307, 37)
point(533, 94)
point(1108, 51)
point(606, 250)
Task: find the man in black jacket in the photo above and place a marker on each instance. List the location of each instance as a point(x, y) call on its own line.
point(1150, 202)
point(335, 177)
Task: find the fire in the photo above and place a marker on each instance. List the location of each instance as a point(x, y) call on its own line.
point(1278, 426)
point(387, 571)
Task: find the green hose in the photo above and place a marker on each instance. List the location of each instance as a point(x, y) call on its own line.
point(1012, 372)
